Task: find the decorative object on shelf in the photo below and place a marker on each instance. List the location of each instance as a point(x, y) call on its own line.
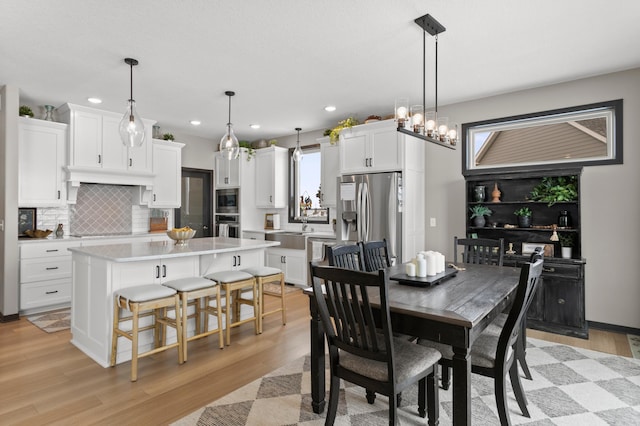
point(48, 112)
point(554, 189)
point(26, 220)
point(478, 214)
point(38, 233)
point(511, 250)
point(25, 111)
point(181, 235)
point(156, 133)
point(524, 217)
point(564, 220)
point(59, 231)
point(372, 118)
point(131, 126)
point(168, 137)
point(495, 194)
point(334, 134)
point(229, 142)
point(566, 244)
point(479, 193)
point(273, 142)
point(554, 234)
point(297, 153)
point(249, 147)
point(435, 129)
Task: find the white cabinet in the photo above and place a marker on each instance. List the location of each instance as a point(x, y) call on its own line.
point(45, 275)
point(370, 148)
point(157, 271)
point(293, 263)
point(250, 235)
point(41, 158)
point(227, 171)
point(271, 177)
point(330, 169)
point(231, 261)
point(167, 166)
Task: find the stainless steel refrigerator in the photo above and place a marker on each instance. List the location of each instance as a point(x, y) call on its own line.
point(369, 208)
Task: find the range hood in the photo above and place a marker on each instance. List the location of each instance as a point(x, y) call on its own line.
point(77, 175)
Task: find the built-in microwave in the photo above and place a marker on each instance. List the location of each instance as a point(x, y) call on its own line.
point(227, 200)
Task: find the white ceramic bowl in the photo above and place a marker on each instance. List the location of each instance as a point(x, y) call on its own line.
point(181, 237)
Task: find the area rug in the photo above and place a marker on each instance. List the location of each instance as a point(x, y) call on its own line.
point(634, 344)
point(52, 321)
point(570, 386)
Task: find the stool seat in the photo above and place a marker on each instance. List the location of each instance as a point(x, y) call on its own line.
point(262, 271)
point(189, 284)
point(144, 293)
point(228, 276)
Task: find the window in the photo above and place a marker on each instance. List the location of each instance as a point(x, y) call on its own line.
point(304, 187)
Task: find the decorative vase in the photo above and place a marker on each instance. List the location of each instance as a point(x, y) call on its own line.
point(564, 220)
point(495, 193)
point(48, 112)
point(479, 221)
point(59, 231)
point(566, 252)
point(478, 193)
point(524, 221)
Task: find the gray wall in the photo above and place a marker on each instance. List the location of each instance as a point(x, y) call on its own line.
point(610, 195)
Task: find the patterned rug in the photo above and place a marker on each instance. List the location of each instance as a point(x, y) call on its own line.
point(634, 344)
point(52, 321)
point(570, 386)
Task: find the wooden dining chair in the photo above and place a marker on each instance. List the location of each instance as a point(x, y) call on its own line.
point(375, 254)
point(367, 354)
point(495, 355)
point(479, 250)
point(348, 256)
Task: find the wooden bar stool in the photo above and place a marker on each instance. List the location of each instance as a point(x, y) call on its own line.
point(263, 275)
point(234, 283)
point(142, 301)
point(197, 292)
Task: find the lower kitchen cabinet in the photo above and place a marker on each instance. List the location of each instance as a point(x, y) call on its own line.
point(157, 271)
point(290, 261)
point(232, 261)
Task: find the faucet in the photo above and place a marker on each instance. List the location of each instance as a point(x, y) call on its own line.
point(304, 223)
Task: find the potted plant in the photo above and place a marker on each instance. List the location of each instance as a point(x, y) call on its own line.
point(250, 150)
point(25, 111)
point(478, 213)
point(524, 217)
point(566, 244)
point(167, 137)
point(555, 189)
point(334, 134)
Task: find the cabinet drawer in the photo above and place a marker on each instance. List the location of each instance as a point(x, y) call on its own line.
point(35, 295)
point(45, 269)
point(559, 270)
point(30, 251)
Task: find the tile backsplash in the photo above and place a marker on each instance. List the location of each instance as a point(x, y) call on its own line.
point(102, 209)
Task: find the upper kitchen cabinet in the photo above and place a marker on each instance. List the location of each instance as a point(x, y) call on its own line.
point(330, 169)
point(41, 158)
point(271, 177)
point(370, 148)
point(227, 171)
point(167, 166)
point(95, 148)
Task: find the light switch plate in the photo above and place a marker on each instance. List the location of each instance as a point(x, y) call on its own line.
point(432, 222)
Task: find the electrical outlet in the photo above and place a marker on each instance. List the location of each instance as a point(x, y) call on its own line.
point(432, 222)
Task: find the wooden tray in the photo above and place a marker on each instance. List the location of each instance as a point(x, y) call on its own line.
point(424, 281)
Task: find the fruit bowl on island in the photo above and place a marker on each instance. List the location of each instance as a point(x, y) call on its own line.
point(181, 235)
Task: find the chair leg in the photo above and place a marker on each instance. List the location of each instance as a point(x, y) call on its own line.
point(501, 399)
point(260, 303)
point(256, 310)
point(219, 317)
point(521, 351)
point(134, 342)
point(114, 336)
point(446, 377)
point(334, 393)
point(433, 397)
point(422, 397)
point(516, 384)
point(393, 411)
point(229, 316)
point(183, 311)
point(283, 299)
point(371, 396)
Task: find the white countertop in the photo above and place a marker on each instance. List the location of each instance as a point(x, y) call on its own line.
point(52, 238)
point(132, 252)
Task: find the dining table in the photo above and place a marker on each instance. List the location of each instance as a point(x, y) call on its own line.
point(452, 311)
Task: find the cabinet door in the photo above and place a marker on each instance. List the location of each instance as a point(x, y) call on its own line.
point(353, 153)
point(227, 171)
point(383, 150)
point(86, 139)
point(275, 259)
point(114, 152)
point(178, 267)
point(330, 168)
point(140, 158)
point(296, 267)
point(264, 180)
point(41, 153)
point(167, 168)
point(563, 302)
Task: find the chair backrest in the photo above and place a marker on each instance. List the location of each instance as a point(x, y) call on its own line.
point(527, 286)
point(376, 255)
point(479, 250)
point(345, 256)
point(343, 300)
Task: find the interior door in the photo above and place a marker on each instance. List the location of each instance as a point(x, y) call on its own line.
point(197, 204)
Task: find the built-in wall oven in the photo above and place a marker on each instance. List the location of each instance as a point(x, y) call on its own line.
point(227, 200)
point(228, 225)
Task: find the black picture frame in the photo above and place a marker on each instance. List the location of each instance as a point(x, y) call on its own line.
point(26, 220)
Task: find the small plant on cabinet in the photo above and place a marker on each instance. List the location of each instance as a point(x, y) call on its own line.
point(25, 111)
point(524, 217)
point(167, 137)
point(478, 213)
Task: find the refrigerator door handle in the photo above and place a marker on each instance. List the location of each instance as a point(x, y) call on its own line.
point(366, 210)
point(359, 213)
point(393, 219)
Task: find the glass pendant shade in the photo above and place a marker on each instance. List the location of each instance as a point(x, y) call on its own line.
point(229, 144)
point(131, 127)
point(297, 153)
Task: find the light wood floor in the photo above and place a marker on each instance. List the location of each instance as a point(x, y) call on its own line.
point(44, 379)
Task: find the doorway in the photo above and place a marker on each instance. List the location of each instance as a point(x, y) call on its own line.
point(197, 204)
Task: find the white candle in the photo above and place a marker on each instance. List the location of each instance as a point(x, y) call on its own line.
point(421, 271)
point(440, 266)
point(410, 269)
point(431, 263)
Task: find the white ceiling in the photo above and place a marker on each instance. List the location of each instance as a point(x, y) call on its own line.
point(287, 59)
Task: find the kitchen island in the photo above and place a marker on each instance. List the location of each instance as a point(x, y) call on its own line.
point(100, 270)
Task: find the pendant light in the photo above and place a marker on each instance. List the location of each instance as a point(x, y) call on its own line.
point(229, 142)
point(131, 126)
point(297, 153)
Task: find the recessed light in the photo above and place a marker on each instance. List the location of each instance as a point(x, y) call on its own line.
point(330, 108)
point(255, 126)
point(95, 100)
point(195, 122)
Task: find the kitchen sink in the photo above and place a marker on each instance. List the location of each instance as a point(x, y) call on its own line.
point(290, 240)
